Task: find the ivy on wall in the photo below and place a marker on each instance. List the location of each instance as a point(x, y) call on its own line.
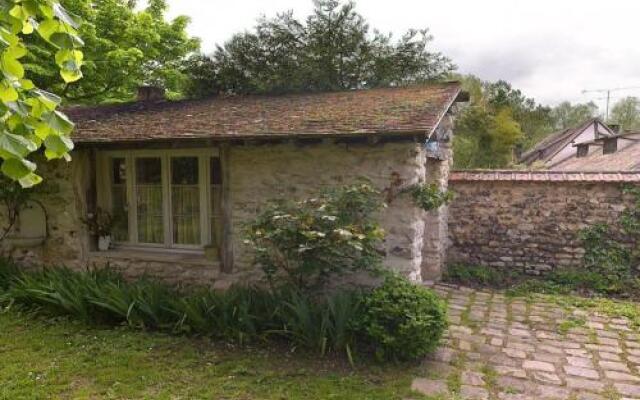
point(609, 254)
point(429, 196)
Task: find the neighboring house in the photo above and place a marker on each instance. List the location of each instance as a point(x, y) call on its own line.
point(182, 176)
point(559, 146)
point(620, 152)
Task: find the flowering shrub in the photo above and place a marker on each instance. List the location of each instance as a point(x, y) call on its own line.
point(309, 240)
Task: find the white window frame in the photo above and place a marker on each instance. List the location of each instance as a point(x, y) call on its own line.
point(104, 193)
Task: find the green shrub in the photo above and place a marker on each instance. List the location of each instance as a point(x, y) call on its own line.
point(306, 242)
point(401, 320)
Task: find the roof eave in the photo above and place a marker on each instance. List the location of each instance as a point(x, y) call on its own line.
point(260, 136)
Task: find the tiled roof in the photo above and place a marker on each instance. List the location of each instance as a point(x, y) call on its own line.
point(626, 159)
point(548, 176)
point(553, 143)
point(416, 109)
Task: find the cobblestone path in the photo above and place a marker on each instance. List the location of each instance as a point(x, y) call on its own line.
point(513, 349)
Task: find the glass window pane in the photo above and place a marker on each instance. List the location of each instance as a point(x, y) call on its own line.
point(184, 170)
point(185, 200)
point(119, 171)
point(216, 171)
point(119, 211)
point(149, 197)
point(216, 201)
point(148, 171)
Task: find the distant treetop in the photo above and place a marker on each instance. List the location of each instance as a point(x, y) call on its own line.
point(332, 49)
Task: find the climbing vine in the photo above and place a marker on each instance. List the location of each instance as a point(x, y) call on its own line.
point(429, 196)
point(14, 197)
point(610, 255)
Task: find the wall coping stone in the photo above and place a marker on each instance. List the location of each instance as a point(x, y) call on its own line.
point(543, 176)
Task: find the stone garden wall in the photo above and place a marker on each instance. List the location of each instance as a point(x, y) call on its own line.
point(530, 220)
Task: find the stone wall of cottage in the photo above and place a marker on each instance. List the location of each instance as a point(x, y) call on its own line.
point(63, 198)
point(528, 225)
point(257, 173)
point(264, 172)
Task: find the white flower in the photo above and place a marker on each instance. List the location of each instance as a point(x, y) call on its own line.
point(344, 233)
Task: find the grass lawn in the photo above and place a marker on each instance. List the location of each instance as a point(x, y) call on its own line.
point(60, 359)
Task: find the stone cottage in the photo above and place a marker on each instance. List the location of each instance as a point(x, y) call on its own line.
point(185, 176)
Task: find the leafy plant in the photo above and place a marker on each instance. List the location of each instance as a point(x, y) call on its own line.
point(398, 319)
point(402, 320)
point(429, 196)
point(307, 241)
point(29, 118)
point(100, 223)
point(611, 255)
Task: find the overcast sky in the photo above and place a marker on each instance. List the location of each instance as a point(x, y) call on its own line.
point(551, 49)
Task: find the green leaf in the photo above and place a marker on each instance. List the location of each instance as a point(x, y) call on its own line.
point(46, 9)
point(48, 100)
point(58, 122)
point(42, 130)
point(17, 168)
point(27, 84)
point(27, 27)
point(16, 51)
point(18, 107)
point(15, 146)
point(64, 56)
point(71, 75)
point(65, 16)
point(12, 67)
point(48, 28)
point(66, 40)
point(18, 12)
point(8, 93)
point(57, 146)
point(30, 180)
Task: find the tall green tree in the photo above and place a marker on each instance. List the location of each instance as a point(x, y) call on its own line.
point(125, 48)
point(333, 49)
point(566, 115)
point(626, 113)
point(491, 127)
point(29, 120)
point(485, 139)
point(534, 119)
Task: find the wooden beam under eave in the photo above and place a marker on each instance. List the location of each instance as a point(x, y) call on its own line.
point(226, 254)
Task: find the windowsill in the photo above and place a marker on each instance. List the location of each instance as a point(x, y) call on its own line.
point(190, 257)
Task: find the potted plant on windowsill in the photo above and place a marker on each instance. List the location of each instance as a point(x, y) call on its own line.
point(101, 224)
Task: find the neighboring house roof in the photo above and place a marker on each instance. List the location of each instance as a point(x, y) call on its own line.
point(551, 145)
point(406, 110)
point(543, 176)
point(626, 159)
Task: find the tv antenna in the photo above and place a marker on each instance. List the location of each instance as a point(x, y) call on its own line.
point(608, 97)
